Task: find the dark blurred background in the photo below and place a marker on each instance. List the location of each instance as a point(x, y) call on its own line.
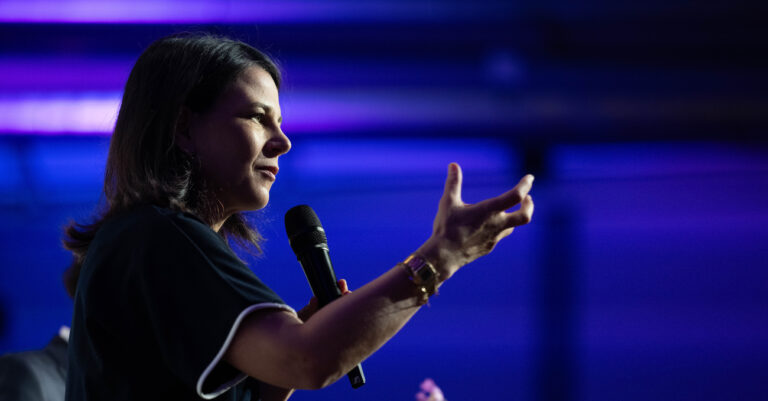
point(644, 274)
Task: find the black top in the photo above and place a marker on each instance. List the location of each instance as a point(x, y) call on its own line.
point(159, 298)
point(35, 375)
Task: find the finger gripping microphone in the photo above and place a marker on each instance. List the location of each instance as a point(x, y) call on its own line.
point(308, 241)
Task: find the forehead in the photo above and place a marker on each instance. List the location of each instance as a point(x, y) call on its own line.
point(253, 85)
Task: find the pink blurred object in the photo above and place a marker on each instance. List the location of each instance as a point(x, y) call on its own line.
point(429, 391)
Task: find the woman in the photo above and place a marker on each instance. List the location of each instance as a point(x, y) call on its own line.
point(164, 309)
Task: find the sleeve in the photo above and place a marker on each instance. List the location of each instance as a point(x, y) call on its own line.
point(196, 294)
point(17, 381)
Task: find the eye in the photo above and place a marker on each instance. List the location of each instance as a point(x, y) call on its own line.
point(259, 117)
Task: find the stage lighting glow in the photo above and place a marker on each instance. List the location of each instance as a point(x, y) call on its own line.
point(63, 74)
point(51, 114)
point(240, 11)
point(304, 112)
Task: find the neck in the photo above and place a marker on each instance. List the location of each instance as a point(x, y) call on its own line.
point(214, 213)
point(217, 221)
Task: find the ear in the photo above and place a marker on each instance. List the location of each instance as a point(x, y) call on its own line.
point(182, 136)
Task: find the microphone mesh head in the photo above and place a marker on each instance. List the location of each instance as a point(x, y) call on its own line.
point(299, 218)
point(304, 229)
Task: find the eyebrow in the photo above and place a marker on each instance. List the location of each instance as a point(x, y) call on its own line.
point(260, 104)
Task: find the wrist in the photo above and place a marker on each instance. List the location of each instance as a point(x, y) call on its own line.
point(439, 257)
point(423, 275)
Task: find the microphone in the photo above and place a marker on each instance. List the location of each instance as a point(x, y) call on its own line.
point(308, 241)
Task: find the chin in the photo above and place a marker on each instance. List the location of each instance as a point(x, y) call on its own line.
point(249, 199)
point(259, 200)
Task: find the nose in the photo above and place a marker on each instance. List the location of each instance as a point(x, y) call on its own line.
point(278, 144)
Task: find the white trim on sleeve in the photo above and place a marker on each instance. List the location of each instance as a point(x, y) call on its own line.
point(226, 386)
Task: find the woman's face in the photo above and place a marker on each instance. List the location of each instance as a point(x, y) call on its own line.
point(239, 141)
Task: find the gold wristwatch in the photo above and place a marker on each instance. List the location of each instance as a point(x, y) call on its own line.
point(423, 274)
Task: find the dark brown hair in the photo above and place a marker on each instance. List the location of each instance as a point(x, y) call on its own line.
point(144, 165)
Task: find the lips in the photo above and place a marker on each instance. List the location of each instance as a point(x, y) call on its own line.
point(270, 170)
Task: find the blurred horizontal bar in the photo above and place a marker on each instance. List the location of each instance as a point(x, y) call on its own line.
point(67, 74)
point(498, 69)
point(409, 111)
point(619, 161)
point(90, 113)
point(243, 11)
point(326, 111)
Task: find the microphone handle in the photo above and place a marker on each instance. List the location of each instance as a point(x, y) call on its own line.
point(325, 288)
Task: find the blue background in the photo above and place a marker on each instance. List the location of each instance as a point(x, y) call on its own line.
point(644, 274)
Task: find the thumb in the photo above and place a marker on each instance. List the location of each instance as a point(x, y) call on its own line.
point(452, 192)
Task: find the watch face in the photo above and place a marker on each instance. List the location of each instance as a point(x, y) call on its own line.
point(423, 274)
point(415, 263)
point(421, 270)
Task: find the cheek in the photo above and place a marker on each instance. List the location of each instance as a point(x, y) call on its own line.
point(229, 157)
point(242, 138)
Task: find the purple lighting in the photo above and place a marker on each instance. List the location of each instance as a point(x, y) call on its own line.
point(82, 113)
point(60, 74)
point(303, 111)
point(122, 11)
point(237, 11)
point(50, 95)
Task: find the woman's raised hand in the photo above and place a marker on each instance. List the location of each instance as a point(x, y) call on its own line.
point(463, 232)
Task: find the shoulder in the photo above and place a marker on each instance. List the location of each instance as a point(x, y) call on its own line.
point(151, 239)
point(149, 218)
point(149, 224)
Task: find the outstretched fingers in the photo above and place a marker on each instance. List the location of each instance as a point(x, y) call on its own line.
point(452, 191)
point(522, 215)
point(509, 198)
